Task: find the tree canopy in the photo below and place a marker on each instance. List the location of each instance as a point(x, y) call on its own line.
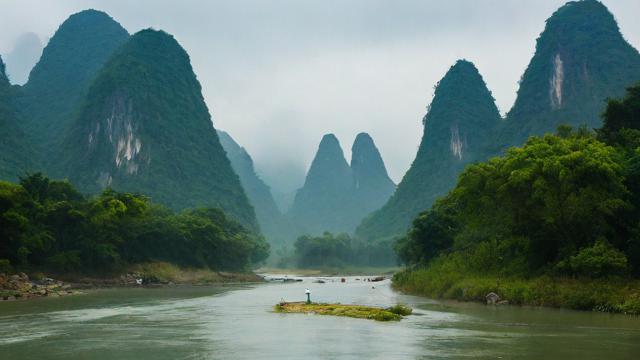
point(564, 203)
point(48, 224)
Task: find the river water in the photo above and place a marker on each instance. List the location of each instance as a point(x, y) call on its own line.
point(237, 322)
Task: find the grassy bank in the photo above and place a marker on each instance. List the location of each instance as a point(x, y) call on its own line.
point(615, 295)
point(169, 273)
point(36, 283)
point(394, 313)
point(157, 273)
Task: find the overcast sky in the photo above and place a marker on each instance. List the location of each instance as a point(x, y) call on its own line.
point(277, 75)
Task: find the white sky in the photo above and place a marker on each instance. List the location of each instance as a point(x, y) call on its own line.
point(277, 75)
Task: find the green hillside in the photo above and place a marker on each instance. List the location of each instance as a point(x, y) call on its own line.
point(144, 127)
point(57, 83)
point(460, 118)
point(16, 153)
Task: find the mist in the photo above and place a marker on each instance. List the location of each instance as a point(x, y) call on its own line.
point(278, 75)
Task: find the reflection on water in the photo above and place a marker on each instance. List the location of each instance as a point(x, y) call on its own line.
point(237, 323)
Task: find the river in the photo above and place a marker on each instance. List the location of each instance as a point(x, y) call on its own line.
point(237, 322)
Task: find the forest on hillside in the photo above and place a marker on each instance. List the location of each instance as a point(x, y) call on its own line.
point(564, 205)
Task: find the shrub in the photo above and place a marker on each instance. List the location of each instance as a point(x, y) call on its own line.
point(401, 309)
point(597, 261)
point(5, 266)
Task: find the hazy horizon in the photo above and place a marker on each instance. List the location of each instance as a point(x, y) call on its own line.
point(279, 75)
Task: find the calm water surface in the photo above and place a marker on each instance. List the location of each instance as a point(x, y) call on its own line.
point(237, 322)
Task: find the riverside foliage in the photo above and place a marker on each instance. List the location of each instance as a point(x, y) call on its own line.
point(564, 205)
point(330, 251)
point(47, 224)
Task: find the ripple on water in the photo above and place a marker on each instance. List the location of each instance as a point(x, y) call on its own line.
point(238, 323)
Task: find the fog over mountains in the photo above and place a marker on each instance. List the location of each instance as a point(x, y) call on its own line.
point(379, 52)
point(336, 195)
point(25, 53)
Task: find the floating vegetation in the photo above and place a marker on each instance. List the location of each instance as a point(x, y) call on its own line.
point(394, 313)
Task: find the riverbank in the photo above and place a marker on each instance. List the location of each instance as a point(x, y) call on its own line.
point(615, 295)
point(331, 271)
point(21, 286)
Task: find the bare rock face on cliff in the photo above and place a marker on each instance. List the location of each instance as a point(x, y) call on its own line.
point(57, 83)
point(144, 127)
point(581, 59)
point(460, 119)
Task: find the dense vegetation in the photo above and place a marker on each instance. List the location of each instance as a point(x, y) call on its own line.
point(562, 206)
point(372, 186)
point(271, 221)
point(335, 251)
point(16, 155)
point(144, 127)
point(69, 62)
point(581, 59)
point(48, 225)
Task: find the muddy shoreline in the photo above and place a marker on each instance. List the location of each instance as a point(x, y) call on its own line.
point(20, 286)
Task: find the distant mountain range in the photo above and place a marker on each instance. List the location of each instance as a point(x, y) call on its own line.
point(336, 196)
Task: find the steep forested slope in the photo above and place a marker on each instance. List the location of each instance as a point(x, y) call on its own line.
point(75, 53)
point(259, 194)
point(581, 59)
point(461, 117)
point(323, 202)
point(336, 196)
point(16, 155)
point(144, 127)
point(372, 185)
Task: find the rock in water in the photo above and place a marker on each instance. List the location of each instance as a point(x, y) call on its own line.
point(144, 127)
point(492, 298)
